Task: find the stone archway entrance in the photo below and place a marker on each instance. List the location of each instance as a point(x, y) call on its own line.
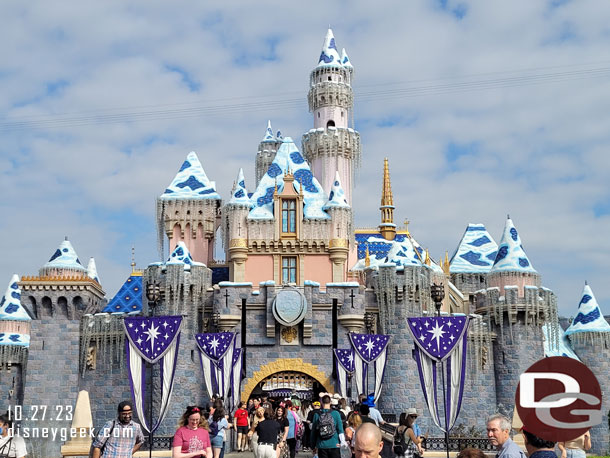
point(285, 365)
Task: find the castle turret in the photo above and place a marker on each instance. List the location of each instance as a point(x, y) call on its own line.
point(92, 270)
point(189, 211)
point(236, 229)
point(341, 216)
point(387, 226)
point(589, 335)
point(515, 308)
point(332, 144)
point(267, 149)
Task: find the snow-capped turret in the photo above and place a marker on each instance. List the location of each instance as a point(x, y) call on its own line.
point(63, 262)
point(191, 182)
point(92, 270)
point(336, 199)
point(269, 137)
point(590, 317)
point(475, 253)
point(239, 196)
point(14, 319)
point(511, 257)
point(329, 55)
point(287, 158)
point(345, 60)
point(181, 255)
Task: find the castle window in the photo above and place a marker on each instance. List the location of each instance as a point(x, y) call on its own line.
point(341, 114)
point(289, 269)
point(330, 123)
point(329, 78)
point(289, 216)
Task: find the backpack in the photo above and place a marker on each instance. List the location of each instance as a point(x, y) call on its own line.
point(326, 425)
point(399, 446)
point(213, 428)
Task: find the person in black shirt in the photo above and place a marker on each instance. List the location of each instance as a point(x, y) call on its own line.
point(268, 431)
point(364, 414)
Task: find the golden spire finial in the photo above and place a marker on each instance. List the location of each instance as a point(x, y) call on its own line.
point(428, 262)
point(367, 258)
point(446, 263)
point(407, 226)
point(387, 227)
point(133, 258)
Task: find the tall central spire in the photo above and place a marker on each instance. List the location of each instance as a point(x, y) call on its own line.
point(387, 226)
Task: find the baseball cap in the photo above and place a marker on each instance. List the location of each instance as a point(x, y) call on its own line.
point(316, 404)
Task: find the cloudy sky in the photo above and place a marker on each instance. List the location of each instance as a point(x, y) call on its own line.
point(483, 108)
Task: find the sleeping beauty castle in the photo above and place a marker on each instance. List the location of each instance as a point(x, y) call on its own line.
point(293, 302)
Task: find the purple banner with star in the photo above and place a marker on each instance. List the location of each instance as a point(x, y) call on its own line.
point(236, 377)
point(216, 350)
point(153, 340)
point(369, 349)
point(441, 340)
point(344, 360)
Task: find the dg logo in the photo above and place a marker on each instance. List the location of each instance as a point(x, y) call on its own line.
point(558, 399)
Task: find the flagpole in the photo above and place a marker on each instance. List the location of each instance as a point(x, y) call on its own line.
point(437, 292)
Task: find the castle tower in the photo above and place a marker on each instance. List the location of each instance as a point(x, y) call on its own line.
point(236, 228)
point(63, 288)
point(332, 144)
point(589, 335)
point(341, 216)
point(472, 261)
point(387, 226)
point(515, 308)
point(267, 149)
point(189, 211)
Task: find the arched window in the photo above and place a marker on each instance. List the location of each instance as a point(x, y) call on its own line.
point(330, 123)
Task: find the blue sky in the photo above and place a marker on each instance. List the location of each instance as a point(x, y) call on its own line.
point(483, 109)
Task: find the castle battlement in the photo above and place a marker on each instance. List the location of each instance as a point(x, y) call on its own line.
point(341, 141)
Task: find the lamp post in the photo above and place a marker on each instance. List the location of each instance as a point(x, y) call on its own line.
point(153, 295)
point(437, 293)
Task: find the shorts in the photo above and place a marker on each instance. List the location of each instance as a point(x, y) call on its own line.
point(242, 429)
point(217, 441)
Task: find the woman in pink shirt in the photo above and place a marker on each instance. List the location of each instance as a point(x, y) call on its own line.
point(192, 439)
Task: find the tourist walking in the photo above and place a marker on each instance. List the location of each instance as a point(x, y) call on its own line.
point(241, 423)
point(327, 431)
point(537, 447)
point(343, 407)
point(498, 432)
point(192, 439)
point(369, 442)
point(252, 434)
point(282, 419)
point(353, 423)
point(575, 448)
point(119, 438)
point(405, 437)
point(294, 427)
point(10, 445)
point(218, 427)
point(267, 430)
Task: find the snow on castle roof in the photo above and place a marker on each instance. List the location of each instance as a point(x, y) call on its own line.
point(191, 182)
point(589, 317)
point(182, 255)
point(345, 60)
point(475, 253)
point(240, 193)
point(336, 199)
point(511, 256)
point(287, 158)
point(10, 304)
point(563, 349)
point(65, 257)
point(269, 137)
point(330, 55)
point(92, 270)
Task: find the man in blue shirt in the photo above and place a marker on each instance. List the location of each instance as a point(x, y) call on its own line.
point(327, 439)
point(498, 431)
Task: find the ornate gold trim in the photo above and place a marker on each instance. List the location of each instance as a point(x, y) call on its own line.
point(282, 365)
point(238, 243)
point(338, 243)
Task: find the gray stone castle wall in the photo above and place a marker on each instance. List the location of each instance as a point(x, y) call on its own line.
point(11, 380)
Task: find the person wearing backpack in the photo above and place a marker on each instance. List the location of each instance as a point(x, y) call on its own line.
point(406, 443)
point(119, 438)
point(218, 425)
point(327, 431)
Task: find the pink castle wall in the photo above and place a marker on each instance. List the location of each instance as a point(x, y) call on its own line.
point(199, 246)
point(518, 280)
point(259, 268)
point(318, 268)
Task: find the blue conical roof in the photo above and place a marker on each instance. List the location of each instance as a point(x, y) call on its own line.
point(191, 182)
point(336, 199)
point(345, 60)
point(287, 158)
point(475, 253)
point(511, 257)
point(129, 297)
point(65, 257)
point(10, 304)
point(330, 55)
point(239, 196)
point(589, 317)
